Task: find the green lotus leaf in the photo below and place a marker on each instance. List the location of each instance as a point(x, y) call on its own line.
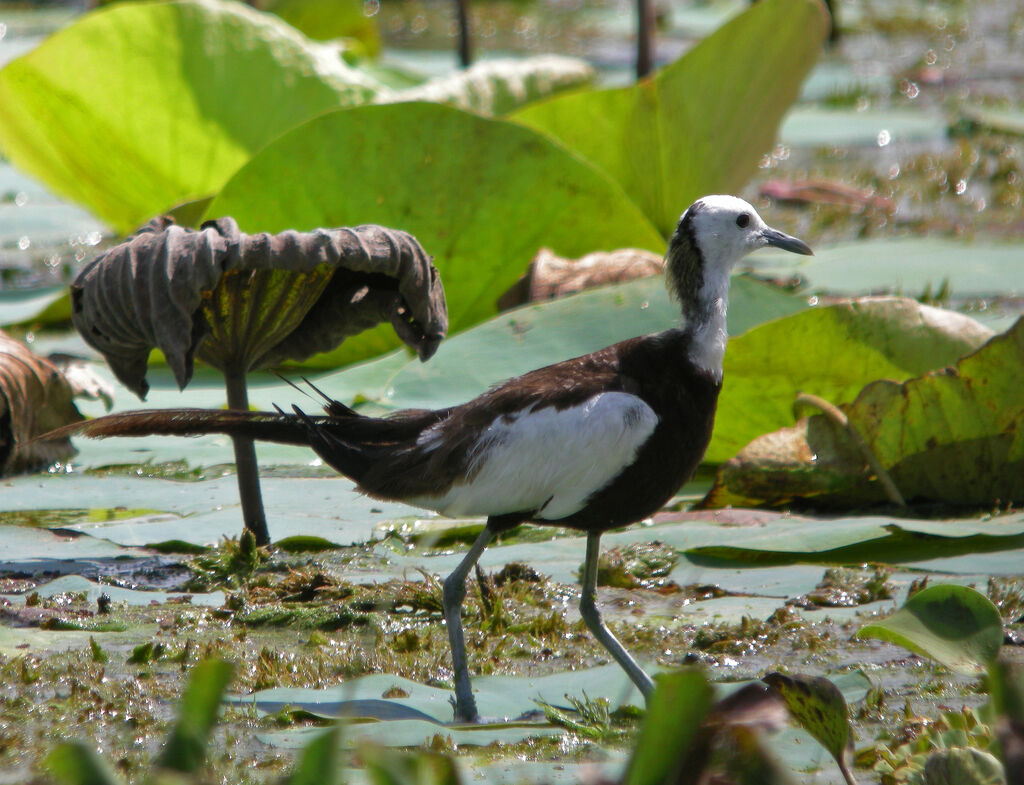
point(483, 195)
point(953, 625)
point(833, 352)
point(701, 124)
point(136, 107)
point(954, 435)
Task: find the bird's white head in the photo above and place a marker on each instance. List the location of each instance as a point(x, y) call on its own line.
point(712, 236)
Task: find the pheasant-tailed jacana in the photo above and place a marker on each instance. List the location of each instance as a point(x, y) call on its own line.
point(592, 443)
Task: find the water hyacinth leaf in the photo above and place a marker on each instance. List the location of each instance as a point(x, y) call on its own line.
point(817, 706)
point(963, 766)
point(831, 351)
point(954, 625)
point(197, 714)
point(139, 106)
point(75, 763)
point(497, 87)
point(672, 725)
point(671, 139)
point(35, 398)
point(482, 195)
point(954, 435)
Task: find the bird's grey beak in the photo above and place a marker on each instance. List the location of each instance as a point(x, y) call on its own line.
point(786, 242)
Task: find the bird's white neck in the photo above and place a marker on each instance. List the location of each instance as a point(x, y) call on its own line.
point(705, 321)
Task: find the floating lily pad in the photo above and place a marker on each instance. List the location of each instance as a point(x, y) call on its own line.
point(76, 584)
point(953, 625)
point(812, 126)
point(831, 351)
point(413, 733)
point(504, 698)
point(908, 266)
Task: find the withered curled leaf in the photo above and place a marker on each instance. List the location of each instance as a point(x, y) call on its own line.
point(550, 276)
point(243, 301)
point(35, 398)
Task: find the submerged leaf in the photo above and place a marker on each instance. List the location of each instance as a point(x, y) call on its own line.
point(240, 301)
point(136, 107)
point(35, 398)
point(954, 435)
point(953, 625)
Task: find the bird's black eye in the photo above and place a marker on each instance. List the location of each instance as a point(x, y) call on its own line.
point(742, 220)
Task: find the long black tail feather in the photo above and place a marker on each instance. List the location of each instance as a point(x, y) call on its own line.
point(262, 426)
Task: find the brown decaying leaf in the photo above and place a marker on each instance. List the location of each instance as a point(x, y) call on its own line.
point(34, 398)
point(550, 276)
point(148, 291)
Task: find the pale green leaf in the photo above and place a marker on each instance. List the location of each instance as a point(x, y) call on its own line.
point(480, 195)
point(953, 625)
point(702, 124)
point(136, 107)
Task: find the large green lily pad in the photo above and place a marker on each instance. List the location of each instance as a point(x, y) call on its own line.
point(136, 107)
point(480, 195)
point(954, 435)
point(671, 139)
point(831, 351)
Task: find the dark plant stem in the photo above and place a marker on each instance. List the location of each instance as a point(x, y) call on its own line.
point(245, 462)
point(462, 13)
point(644, 37)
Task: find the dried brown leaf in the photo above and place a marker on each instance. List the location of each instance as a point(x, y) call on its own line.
point(150, 292)
point(550, 276)
point(35, 398)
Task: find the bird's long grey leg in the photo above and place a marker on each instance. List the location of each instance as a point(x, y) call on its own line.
point(452, 597)
point(592, 618)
